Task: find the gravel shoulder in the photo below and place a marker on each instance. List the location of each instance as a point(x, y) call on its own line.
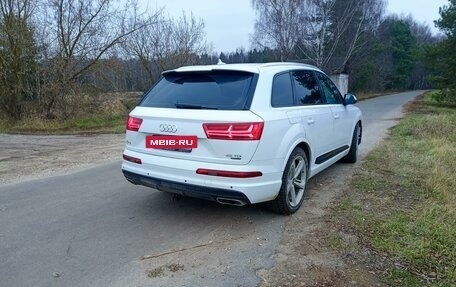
point(24, 157)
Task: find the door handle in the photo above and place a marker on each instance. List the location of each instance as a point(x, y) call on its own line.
point(336, 116)
point(310, 121)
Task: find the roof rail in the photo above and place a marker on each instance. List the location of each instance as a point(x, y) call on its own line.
point(274, 64)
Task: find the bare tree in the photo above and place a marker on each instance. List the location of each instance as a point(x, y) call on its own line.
point(318, 31)
point(189, 40)
point(353, 24)
point(76, 35)
point(169, 43)
point(315, 28)
point(277, 25)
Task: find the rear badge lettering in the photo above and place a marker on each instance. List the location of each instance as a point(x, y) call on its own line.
point(171, 142)
point(234, 156)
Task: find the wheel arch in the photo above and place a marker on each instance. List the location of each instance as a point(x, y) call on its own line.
point(304, 145)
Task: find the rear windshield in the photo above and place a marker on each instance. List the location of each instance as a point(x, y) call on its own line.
point(217, 90)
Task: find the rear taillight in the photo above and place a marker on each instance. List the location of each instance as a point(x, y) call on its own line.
point(234, 131)
point(227, 173)
point(132, 159)
point(133, 124)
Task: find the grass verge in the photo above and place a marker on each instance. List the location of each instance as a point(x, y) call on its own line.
point(402, 205)
point(81, 114)
point(86, 125)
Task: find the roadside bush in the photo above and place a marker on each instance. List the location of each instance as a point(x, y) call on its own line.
point(445, 96)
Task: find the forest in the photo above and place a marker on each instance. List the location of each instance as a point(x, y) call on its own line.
point(61, 58)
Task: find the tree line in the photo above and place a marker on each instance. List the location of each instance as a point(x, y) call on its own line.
point(379, 52)
point(54, 53)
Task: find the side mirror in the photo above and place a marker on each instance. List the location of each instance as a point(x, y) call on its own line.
point(349, 99)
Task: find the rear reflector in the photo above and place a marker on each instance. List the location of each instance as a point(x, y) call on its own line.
point(132, 159)
point(133, 124)
point(224, 173)
point(234, 131)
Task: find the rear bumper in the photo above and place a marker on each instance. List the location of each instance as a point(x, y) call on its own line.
point(191, 190)
point(179, 176)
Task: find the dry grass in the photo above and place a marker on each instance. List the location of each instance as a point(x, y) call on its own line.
point(77, 115)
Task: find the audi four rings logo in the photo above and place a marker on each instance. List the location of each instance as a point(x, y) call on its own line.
point(167, 128)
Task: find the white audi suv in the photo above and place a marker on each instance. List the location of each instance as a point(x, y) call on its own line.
point(240, 133)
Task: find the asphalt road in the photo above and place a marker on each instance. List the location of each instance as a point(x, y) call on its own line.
point(93, 228)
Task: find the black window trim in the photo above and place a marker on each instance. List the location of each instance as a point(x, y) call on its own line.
point(322, 98)
point(321, 88)
point(295, 99)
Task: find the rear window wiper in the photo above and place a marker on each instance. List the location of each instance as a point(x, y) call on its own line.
point(197, 107)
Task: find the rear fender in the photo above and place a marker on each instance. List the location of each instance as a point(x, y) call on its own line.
point(297, 142)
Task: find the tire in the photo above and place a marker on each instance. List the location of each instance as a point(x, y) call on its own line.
point(352, 155)
point(294, 179)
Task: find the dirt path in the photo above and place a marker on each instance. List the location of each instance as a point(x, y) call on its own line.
point(25, 157)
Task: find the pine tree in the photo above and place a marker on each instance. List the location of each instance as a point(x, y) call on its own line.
point(442, 57)
point(403, 45)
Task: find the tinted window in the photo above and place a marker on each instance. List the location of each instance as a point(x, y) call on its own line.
point(306, 88)
point(282, 91)
point(331, 92)
point(222, 90)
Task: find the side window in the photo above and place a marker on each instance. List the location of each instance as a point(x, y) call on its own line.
point(307, 91)
point(330, 90)
point(282, 92)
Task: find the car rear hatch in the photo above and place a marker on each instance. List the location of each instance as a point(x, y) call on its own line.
point(212, 106)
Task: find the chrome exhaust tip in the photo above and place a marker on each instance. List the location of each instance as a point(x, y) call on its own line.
point(230, 201)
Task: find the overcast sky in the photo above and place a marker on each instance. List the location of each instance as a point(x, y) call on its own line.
point(230, 22)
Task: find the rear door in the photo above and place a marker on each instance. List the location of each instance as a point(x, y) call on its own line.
point(211, 105)
point(316, 116)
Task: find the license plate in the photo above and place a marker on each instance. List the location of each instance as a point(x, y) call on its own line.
point(174, 143)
